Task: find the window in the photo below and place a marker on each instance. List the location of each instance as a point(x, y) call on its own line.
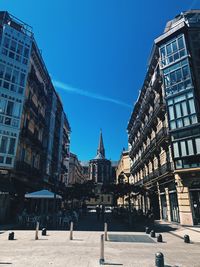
point(11, 55)
point(178, 110)
point(2, 69)
point(13, 45)
point(7, 121)
point(22, 79)
point(15, 76)
point(19, 49)
point(190, 147)
point(11, 148)
point(191, 105)
point(173, 50)
point(8, 160)
point(1, 159)
point(8, 74)
point(6, 42)
point(3, 144)
point(180, 42)
point(26, 52)
point(9, 110)
point(197, 142)
point(183, 148)
point(17, 109)
point(171, 113)
point(2, 105)
point(176, 150)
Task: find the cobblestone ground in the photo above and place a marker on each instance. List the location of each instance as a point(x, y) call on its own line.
point(56, 249)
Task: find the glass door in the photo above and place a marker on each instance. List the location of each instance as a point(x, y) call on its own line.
point(195, 197)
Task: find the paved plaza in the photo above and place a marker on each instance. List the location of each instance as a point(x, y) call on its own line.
point(128, 249)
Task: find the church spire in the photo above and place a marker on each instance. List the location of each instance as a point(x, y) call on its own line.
point(101, 150)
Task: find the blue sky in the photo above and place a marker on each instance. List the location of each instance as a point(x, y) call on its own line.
point(96, 52)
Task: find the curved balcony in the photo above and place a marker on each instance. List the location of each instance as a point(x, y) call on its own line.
point(163, 170)
point(157, 141)
point(31, 138)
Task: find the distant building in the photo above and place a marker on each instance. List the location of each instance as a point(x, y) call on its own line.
point(75, 170)
point(123, 173)
point(101, 172)
point(100, 167)
point(85, 168)
point(34, 129)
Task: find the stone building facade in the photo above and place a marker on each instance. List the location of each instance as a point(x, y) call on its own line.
point(123, 174)
point(164, 129)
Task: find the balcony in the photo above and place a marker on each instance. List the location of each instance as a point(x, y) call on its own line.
point(27, 169)
point(31, 137)
point(161, 136)
point(163, 170)
point(29, 104)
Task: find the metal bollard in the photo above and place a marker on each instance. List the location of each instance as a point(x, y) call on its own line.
point(186, 239)
point(102, 260)
point(106, 231)
point(147, 230)
point(159, 238)
point(36, 231)
point(152, 233)
point(44, 231)
point(11, 236)
point(71, 231)
point(159, 260)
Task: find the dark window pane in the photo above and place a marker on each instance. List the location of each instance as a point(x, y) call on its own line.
point(2, 69)
point(13, 45)
point(11, 149)
point(6, 42)
point(3, 144)
point(9, 110)
point(174, 46)
point(169, 49)
point(180, 42)
point(8, 160)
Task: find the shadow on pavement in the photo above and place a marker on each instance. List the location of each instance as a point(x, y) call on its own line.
point(90, 222)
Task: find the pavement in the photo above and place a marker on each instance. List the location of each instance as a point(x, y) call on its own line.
point(127, 248)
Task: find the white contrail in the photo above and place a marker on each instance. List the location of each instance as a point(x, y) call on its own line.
point(78, 91)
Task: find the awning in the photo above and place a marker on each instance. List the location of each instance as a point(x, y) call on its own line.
point(42, 194)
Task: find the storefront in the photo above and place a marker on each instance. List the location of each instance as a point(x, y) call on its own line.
point(174, 209)
point(195, 204)
point(163, 206)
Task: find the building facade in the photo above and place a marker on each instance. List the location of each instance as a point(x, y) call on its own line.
point(75, 170)
point(31, 118)
point(164, 130)
point(123, 174)
point(101, 172)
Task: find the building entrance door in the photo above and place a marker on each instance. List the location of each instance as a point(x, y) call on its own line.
point(163, 206)
point(174, 210)
point(195, 201)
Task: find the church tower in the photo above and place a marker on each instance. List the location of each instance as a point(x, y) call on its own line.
point(100, 150)
point(100, 167)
